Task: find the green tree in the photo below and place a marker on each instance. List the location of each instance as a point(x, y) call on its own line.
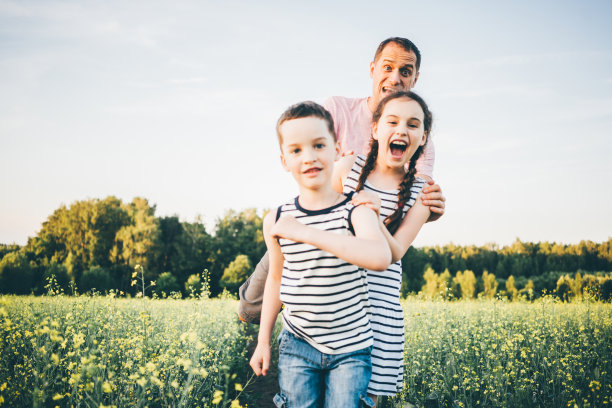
point(134, 242)
point(490, 285)
point(430, 289)
point(96, 278)
point(165, 284)
point(236, 233)
point(511, 290)
point(236, 273)
point(16, 273)
point(466, 281)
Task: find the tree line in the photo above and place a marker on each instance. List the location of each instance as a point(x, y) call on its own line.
point(97, 243)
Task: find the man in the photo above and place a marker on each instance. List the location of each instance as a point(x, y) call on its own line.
point(395, 68)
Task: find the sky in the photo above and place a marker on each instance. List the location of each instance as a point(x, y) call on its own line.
point(177, 102)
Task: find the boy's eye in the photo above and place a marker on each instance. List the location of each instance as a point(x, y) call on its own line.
point(319, 145)
point(296, 150)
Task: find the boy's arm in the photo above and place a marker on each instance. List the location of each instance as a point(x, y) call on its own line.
point(367, 249)
point(260, 362)
point(407, 231)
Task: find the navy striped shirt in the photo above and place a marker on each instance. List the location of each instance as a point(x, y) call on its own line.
point(325, 298)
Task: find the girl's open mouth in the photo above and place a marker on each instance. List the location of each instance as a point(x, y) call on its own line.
point(398, 148)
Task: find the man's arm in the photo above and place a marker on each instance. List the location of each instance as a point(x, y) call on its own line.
point(260, 362)
point(367, 249)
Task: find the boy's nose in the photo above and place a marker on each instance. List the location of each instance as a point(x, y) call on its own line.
point(309, 156)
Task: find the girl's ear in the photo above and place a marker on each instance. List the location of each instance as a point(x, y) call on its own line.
point(284, 162)
point(374, 130)
point(423, 139)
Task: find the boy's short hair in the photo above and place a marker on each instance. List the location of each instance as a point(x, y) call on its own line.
point(405, 43)
point(305, 110)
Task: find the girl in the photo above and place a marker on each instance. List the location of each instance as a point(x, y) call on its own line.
point(400, 127)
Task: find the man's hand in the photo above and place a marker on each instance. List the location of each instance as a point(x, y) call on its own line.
point(369, 199)
point(260, 362)
point(432, 196)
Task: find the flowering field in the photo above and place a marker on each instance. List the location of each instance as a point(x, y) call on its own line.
point(501, 354)
point(93, 351)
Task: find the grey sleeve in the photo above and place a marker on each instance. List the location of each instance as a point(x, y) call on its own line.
point(251, 292)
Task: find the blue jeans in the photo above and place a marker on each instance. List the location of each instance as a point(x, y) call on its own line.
point(309, 378)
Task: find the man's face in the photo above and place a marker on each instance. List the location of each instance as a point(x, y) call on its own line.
point(393, 71)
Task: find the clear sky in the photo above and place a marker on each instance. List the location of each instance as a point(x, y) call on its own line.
point(177, 101)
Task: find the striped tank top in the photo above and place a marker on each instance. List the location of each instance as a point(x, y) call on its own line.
point(325, 298)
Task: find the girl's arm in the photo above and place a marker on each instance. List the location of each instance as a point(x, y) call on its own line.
point(367, 249)
point(260, 362)
point(407, 231)
point(342, 168)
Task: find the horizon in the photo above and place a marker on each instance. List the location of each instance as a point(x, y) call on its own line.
point(178, 104)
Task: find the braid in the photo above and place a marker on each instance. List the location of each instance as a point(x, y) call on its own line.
point(394, 220)
point(369, 164)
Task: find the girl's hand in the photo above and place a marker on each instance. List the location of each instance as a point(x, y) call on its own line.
point(369, 199)
point(260, 362)
point(289, 228)
point(433, 198)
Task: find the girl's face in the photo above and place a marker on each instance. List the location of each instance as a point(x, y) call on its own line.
point(399, 131)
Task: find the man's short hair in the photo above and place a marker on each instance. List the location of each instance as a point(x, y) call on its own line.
point(402, 42)
point(305, 110)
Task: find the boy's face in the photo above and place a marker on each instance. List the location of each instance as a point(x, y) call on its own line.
point(308, 151)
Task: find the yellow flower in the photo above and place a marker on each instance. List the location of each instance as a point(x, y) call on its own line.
point(106, 388)
point(217, 397)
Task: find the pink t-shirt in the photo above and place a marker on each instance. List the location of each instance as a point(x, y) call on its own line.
point(353, 124)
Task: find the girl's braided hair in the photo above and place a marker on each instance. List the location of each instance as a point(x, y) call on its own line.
point(394, 220)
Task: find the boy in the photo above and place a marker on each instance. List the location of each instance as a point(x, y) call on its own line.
point(325, 345)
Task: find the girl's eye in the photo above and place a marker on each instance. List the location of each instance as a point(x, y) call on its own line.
point(294, 151)
point(319, 145)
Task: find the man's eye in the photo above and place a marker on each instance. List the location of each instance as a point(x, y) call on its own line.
point(387, 67)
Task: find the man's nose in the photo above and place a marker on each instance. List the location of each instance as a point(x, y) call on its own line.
point(395, 77)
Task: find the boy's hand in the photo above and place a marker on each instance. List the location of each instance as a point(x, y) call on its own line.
point(260, 362)
point(347, 153)
point(433, 198)
point(369, 199)
point(289, 228)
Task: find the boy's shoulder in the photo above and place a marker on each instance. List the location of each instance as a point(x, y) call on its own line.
point(293, 207)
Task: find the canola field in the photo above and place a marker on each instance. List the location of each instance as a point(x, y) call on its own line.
point(105, 351)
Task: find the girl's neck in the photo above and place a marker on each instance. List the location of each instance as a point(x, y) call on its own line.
point(386, 177)
point(319, 199)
